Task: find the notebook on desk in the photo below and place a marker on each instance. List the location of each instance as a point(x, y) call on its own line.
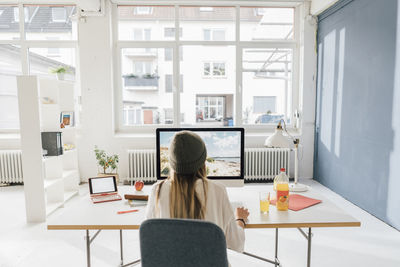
point(103, 189)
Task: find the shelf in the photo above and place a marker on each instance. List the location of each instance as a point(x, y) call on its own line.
point(50, 182)
point(51, 207)
point(69, 194)
point(69, 173)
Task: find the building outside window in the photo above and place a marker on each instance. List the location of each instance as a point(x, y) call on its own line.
point(169, 83)
point(214, 69)
point(214, 35)
point(143, 10)
point(216, 86)
point(59, 14)
point(20, 53)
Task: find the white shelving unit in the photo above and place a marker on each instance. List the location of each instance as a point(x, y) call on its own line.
point(48, 181)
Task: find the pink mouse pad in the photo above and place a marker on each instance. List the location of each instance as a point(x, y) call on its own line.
point(299, 202)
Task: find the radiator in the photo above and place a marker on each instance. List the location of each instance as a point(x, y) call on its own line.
point(142, 165)
point(10, 167)
point(261, 164)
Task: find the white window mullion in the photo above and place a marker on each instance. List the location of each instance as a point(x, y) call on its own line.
point(24, 47)
point(239, 85)
point(176, 90)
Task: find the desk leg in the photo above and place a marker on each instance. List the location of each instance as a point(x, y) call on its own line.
point(121, 247)
point(276, 248)
point(309, 247)
point(88, 248)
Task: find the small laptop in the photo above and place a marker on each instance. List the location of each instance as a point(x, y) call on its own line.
point(103, 189)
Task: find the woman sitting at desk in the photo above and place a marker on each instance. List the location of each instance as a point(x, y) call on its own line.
point(188, 194)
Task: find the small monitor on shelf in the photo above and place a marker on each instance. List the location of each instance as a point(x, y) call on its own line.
point(225, 153)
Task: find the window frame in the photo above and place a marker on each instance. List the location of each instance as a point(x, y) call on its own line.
point(26, 44)
point(177, 43)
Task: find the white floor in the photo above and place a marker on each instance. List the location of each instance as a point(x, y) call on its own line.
point(373, 244)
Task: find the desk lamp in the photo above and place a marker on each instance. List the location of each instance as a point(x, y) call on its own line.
point(279, 140)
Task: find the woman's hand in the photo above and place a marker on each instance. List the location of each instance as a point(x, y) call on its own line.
point(243, 214)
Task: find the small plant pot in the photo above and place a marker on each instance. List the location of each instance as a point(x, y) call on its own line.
point(109, 174)
point(60, 76)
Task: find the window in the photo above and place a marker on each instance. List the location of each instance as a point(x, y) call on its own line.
point(141, 34)
point(169, 83)
point(48, 22)
point(169, 54)
point(143, 10)
point(242, 80)
point(214, 35)
point(170, 32)
point(210, 108)
point(214, 69)
point(59, 14)
point(19, 55)
point(264, 104)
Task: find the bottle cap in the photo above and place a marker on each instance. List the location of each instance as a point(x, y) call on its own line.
point(283, 170)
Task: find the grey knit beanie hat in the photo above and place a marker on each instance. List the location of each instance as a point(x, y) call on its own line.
point(187, 152)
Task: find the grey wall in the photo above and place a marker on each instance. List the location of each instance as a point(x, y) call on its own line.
point(357, 152)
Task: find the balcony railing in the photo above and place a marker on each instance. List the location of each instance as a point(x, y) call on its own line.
point(141, 83)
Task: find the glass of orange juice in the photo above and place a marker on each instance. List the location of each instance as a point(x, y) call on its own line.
point(264, 202)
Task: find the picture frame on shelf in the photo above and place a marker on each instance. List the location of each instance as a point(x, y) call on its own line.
point(67, 119)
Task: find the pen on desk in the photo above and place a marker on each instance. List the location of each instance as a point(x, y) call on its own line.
point(126, 211)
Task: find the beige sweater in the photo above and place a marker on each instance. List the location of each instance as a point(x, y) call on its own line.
point(218, 210)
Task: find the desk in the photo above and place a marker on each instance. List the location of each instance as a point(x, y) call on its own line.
point(84, 215)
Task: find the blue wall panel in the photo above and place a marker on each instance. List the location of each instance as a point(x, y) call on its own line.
point(357, 150)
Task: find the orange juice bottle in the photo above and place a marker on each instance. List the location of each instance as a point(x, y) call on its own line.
point(281, 182)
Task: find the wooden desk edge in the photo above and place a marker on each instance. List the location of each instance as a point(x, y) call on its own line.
point(249, 226)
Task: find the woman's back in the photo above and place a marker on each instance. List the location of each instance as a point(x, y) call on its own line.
point(218, 209)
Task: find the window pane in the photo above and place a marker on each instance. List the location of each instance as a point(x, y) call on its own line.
point(50, 22)
point(267, 76)
point(146, 86)
point(144, 19)
point(210, 24)
point(42, 61)
point(9, 27)
point(207, 101)
point(10, 67)
point(266, 23)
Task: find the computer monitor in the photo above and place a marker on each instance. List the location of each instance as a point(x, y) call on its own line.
point(225, 153)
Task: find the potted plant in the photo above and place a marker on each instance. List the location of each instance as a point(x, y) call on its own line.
point(60, 72)
point(107, 163)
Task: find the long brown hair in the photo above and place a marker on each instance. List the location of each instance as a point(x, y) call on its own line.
point(183, 200)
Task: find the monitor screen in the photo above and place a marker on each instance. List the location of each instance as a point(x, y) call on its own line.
point(100, 185)
point(225, 150)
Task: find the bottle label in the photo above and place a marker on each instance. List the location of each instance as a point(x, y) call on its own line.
point(282, 199)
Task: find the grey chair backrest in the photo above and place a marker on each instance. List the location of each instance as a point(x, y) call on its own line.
point(178, 242)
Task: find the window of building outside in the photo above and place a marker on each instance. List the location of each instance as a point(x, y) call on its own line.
point(170, 32)
point(260, 81)
point(20, 56)
point(214, 35)
point(143, 10)
point(214, 69)
point(169, 83)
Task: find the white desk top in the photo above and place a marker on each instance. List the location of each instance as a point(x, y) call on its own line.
point(83, 214)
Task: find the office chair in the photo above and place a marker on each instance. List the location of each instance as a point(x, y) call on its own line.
point(182, 243)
